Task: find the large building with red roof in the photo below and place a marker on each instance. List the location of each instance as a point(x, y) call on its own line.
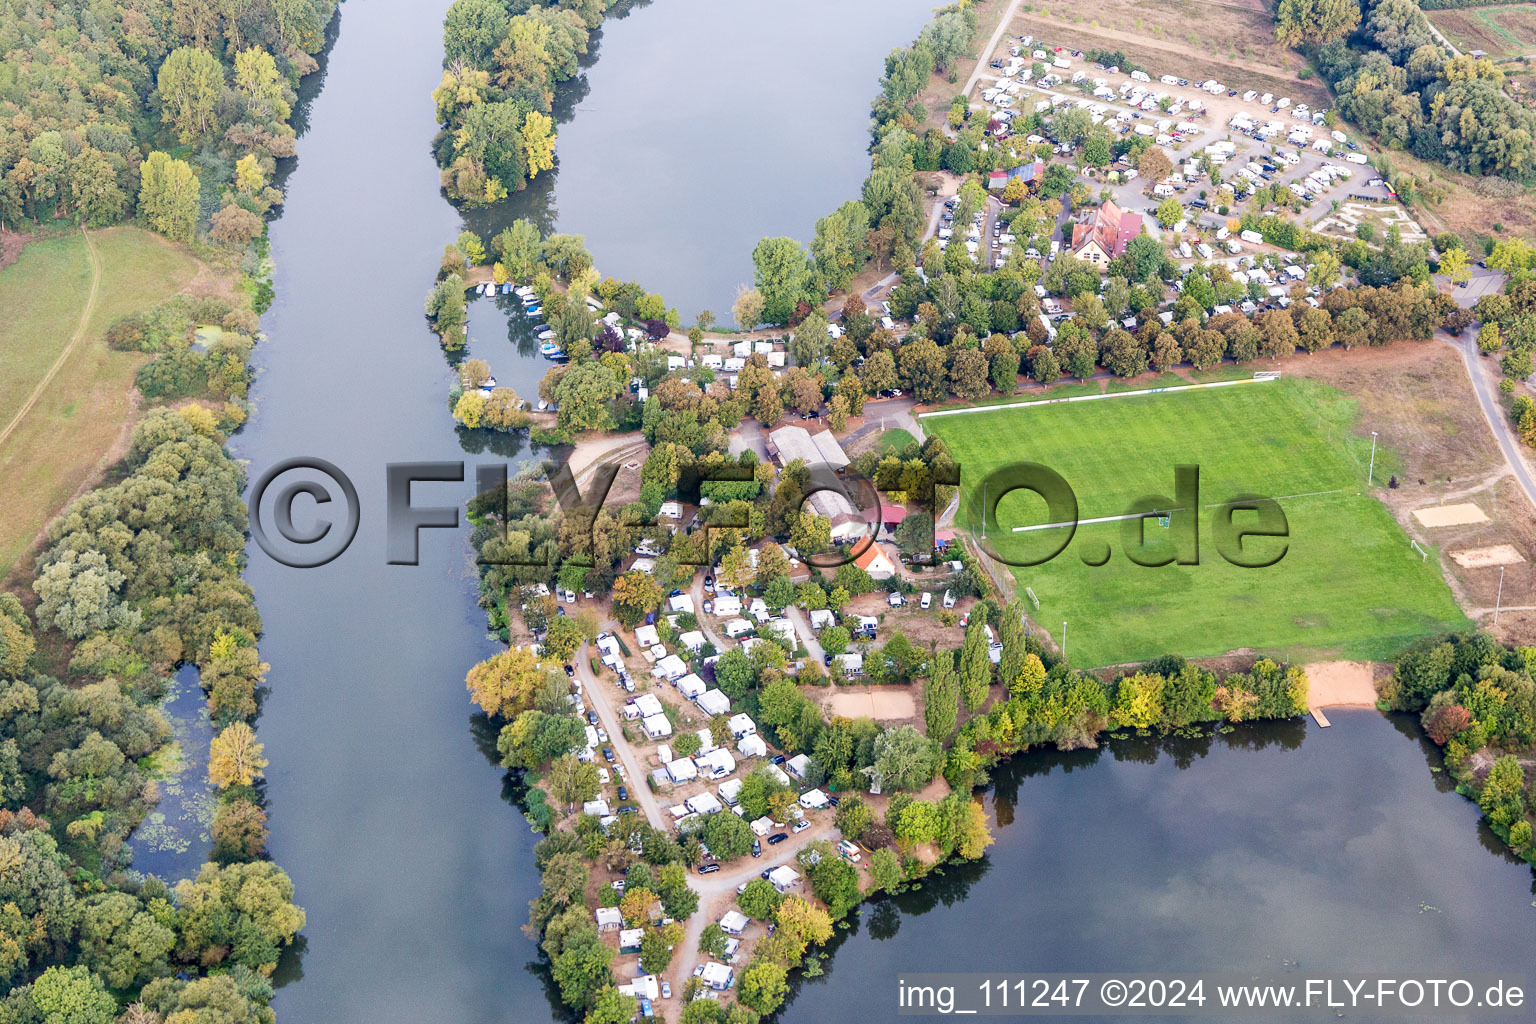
point(1106, 235)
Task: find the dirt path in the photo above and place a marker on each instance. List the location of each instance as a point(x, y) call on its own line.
point(986, 55)
point(69, 350)
point(601, 697)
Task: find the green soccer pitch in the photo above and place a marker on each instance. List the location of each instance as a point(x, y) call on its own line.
point(1349, 585)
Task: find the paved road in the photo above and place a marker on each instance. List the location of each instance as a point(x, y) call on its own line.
point(697, 591)
point(991, 47)
point(602, 698)
point(1498, 421)
point(807, 637)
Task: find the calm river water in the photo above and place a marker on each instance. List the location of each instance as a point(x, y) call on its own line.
point(395, 824)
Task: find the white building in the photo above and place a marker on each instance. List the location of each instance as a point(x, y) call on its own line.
point(657, 727)
point(690, 686)
point(742, 725)
point(751, 746)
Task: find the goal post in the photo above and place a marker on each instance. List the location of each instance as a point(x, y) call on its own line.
point(1423, 554)
point(1031, 592)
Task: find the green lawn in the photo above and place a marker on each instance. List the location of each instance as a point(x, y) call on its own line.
point(1347, 586)
point(895, 441)
point(80, 417)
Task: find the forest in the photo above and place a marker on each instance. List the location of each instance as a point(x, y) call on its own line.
point(174, 111)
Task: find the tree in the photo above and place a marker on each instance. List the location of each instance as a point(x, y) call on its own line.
point(573, 782)
point(472, 30)
point(759, 900)
point(1315, 21)
point(78, 594)
point(1169, 212)
point(763, 986)
point(234, 757)
point(834, 639)
point(582, 969)
point(748, 308)
point(1455, 266)
point(66, 995)
point(885, 871)
point(504, 684)
point(1154, 164)
point(1503, 795)
point(839, 244)
point(969, 374)
point(727, 836)
point(611, 1008)
point(539, 142)
point(168, 196)
point(190, 83)
point(975, 666)
point(941, 698)
point(235, 225)
point(905, 759)
point(239, 831)
point(784, 276)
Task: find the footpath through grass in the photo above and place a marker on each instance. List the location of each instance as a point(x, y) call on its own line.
point(80, 415)
point(1348, 585)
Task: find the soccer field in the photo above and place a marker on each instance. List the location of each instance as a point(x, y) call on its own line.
point(1348, 585)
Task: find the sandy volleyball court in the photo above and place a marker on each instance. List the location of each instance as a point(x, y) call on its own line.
point(1482, 558)
point(1450, 515)
point(883, 704)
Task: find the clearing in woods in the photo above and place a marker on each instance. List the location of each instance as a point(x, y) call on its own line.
point(73, 421)
point(1348, 585)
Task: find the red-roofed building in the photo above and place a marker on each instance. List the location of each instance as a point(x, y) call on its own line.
point(1106, 236)
point(873, 560)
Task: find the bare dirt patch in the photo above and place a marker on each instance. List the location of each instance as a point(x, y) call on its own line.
point(1450, 515)
point(1481, 558)
point(11, 244)
point(1341, 683)
point(882, 703)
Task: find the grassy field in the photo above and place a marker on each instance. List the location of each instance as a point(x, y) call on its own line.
point(1502, 32)
point(1347, 586)
point(80, 415)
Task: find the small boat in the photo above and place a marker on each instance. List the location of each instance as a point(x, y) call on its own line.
point(545, 335)
point(543, 405)
point(542, 327)
point(506, 289)
point(549, 350)
point(535, 311)
point(488, 383)
point(523, 290)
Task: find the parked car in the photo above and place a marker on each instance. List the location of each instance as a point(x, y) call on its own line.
point(709, 869)
point(927, 600)
point(569, 670)
point(617, 885)
point(591, 717)
point(777, 838)
point(800, 826)
point(778, 758)
point(623, 792)
point(629, 809)
point(608, 754)
point(666, 990)
point(742, 888)
point(757, 848)
point(765, 873)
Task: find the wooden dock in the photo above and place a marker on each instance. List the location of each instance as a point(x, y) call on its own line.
point(1319, 717)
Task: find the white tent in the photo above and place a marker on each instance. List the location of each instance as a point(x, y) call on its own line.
point(778, 773)
point(670, 668)
point(690, 686)
point(784, 877)
point(693, 640)
point(704, 803)
point(729, 790)
point(814, 800)
point(682, 770)
point(706, 741)
point(752, 746)
point(680, 603)
point(648, 705)
point(742, 725)
point(713, 702)
point(657, 727)
point(646, 636)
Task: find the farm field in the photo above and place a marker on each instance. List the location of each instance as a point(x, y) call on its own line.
point(1502, 32)
point(1348, 585)
point(81, 414)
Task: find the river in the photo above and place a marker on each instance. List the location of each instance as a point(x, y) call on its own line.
point(393, 822)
